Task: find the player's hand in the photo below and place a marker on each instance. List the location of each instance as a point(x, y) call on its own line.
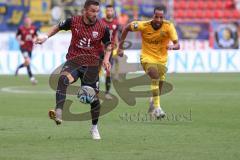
point(106, 64)
point(170, 47)
point(120, 52)
point(41, 39)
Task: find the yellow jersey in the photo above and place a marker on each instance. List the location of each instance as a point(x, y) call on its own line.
point(155, 42)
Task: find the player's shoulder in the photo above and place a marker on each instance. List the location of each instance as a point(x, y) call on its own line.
point(142, 24)
point(101, 23)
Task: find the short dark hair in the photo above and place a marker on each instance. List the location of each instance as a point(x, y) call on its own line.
point(109, 6)
point(91, 2)
point(161, 8)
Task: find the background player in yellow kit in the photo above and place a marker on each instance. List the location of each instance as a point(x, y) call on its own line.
point(156, 35)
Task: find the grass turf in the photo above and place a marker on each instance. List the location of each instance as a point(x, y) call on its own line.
point(203, 123)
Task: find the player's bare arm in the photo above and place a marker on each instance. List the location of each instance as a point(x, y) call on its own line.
point(122, 39)
point(108, 52)
point(108, 49)
point(41, 39)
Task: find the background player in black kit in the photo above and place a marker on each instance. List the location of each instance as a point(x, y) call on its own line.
point(88, 34)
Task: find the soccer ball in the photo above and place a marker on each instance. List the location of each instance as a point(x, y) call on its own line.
point(86, 94)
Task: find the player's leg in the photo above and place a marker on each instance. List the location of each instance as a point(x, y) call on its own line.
point(153, 72)
point(68, 75)
point(90, 77)
point(116, 69)
point(108, 82)
point(27, 59)
point(25, 55)
point(32, 78)
point(116, 65)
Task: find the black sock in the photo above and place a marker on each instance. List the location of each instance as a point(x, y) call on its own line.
point(95, 111)
point(29, 71)
point(108, 84)
point(21, 66)
point(63, 83)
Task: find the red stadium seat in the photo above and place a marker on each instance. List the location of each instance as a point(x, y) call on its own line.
point(201, 4)
point(184, 4)
point(190, 14)
point(229, 4)
point(178, 14)
point(228, 14)
point(210, 5)
point(220, 4)
point(199, 13)
point(236, 14)
point(180, 4)
point(192, 4)
point(218, 14)
point(176, 5)
point(209, 14)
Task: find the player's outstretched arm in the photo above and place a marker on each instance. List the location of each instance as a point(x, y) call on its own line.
point(122, 39)
point(42, 39)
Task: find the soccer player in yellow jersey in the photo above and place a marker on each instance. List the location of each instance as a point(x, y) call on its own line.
point(156, 35)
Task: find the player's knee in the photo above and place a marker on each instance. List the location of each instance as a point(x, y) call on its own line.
point(153, 74)
point(67, 76)
point(95, 105)
point(26, 62)
point(63, 79)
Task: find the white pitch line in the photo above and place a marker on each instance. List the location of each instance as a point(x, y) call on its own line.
point(23, 89)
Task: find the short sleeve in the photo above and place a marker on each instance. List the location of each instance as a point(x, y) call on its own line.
point(106, 38)
point(136, 26)
point(65, 25)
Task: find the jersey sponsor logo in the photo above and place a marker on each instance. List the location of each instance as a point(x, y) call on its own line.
point(95, 34)
point(154, 42)
point(31, 31)
point(84, 43)
point(114, 26)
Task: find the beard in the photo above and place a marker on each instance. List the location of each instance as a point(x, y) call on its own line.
point(156, 25)
point(109, 16)
point(92, 20)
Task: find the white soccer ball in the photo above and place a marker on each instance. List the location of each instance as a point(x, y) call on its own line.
point(86, 94)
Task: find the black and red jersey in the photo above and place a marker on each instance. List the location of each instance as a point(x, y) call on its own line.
point(113, 28)
point(27, 34)
point(86, 40)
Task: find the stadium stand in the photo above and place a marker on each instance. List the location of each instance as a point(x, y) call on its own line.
point(205, 10)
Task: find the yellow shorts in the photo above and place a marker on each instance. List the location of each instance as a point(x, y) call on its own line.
point(162, 69)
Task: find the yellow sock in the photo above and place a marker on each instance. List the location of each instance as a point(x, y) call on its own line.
point(155, 92)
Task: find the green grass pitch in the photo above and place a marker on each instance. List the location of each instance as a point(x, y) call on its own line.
point(203, 123)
